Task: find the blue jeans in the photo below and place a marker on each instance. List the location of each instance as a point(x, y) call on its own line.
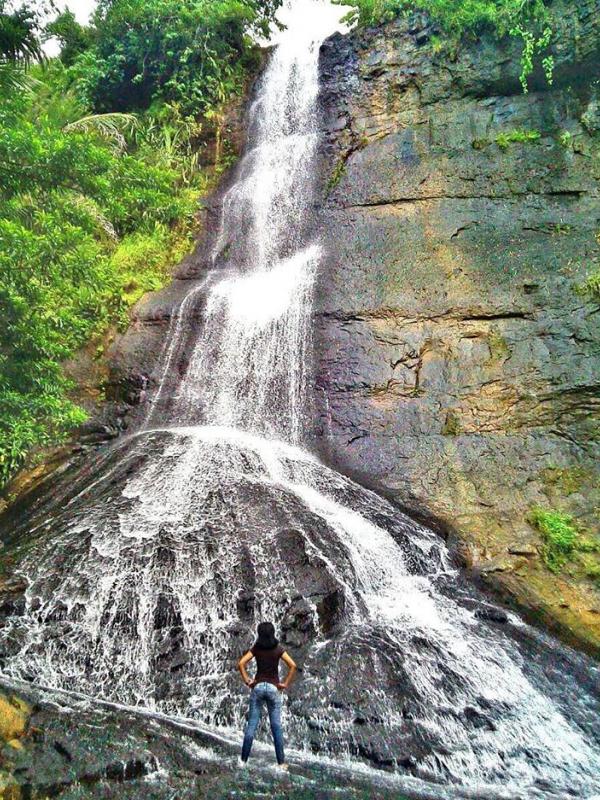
point(269, 694)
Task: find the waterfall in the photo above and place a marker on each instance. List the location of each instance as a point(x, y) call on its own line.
point(254, 341)
point(147, 574)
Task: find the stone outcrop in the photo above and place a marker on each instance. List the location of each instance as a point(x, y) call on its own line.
point(458, 365)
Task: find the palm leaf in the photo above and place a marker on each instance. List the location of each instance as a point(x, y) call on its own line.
point(95, 213)
point(109, 126)
point(18, 39)
point(15, 80)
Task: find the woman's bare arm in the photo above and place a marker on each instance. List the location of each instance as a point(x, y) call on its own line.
point(292, 669)
point(245, 659)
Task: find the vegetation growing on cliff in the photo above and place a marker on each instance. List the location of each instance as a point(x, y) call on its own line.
point(529, 20)
point(99, 179)
point(561, 537)
point(591, 286)
point(505, 139)
point(190, 52)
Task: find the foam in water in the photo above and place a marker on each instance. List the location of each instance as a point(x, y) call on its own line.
point(144, 582)
point(254, 347)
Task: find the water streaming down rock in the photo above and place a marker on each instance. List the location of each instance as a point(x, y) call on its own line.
point(255, 333)
point(146, 574)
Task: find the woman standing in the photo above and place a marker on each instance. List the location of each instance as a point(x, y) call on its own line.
point(266, 687)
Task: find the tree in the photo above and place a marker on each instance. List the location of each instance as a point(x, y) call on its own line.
point(74, 38)
point(190, 52)
point(19, 39)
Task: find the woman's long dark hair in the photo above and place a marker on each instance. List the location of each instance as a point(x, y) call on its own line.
point(266, 636)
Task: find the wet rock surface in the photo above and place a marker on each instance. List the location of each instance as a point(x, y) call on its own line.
point(402, 664)
point(457, 363)
point(71, 748)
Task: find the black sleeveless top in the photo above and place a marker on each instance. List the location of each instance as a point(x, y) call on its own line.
point(267, 664)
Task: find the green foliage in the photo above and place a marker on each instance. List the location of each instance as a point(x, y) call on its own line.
point(168, 137)
point(528, 20)
point(111, 127)
point(561, 537)
point(588, 546)
point(190, 52)
point(590, 288)
point(141, 261)
point(566, 140)
point(96, 202)
point(13, 79)
point(336, 176)
point(506, 138)
point(453, 16)
point(89, 221)
point(534, 43)
point(19, 41)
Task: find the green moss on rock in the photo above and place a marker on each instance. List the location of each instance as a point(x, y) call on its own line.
point(561, 537)
point(590, 288)
point(568, 480)
point(499, 349)
point(452, 426)
point(337, 175)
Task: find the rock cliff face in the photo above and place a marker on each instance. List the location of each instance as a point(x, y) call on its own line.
point(458, 367)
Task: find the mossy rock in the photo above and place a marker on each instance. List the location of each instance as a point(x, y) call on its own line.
point(569, 480)
point(499, 349)
point(452, 426)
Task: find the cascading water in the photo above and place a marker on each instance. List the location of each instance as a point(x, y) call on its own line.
point(255, 333)
point(146, 575)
